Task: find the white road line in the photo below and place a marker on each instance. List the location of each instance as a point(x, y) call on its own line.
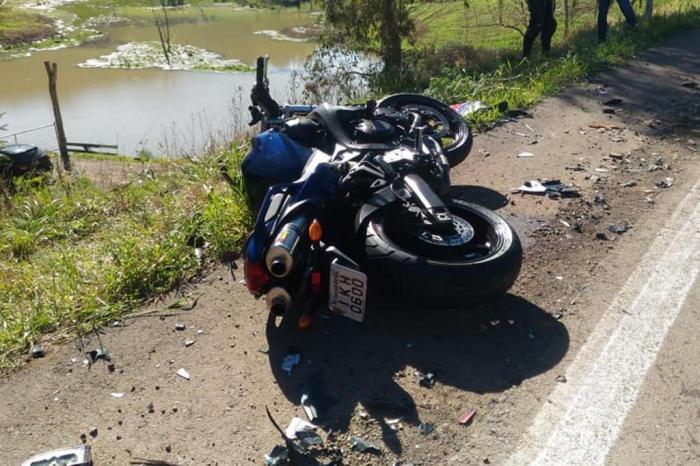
point(582, 419)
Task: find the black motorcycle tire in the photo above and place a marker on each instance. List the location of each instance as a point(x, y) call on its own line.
point(398, 271)
point(456, 150)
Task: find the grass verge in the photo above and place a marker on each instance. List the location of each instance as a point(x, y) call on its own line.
point(73, 254)
point(522, 83)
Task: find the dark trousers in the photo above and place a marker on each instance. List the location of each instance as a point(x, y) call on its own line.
point(604, 7)
point(542, 22)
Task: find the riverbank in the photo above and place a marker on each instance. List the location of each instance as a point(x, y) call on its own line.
point(27, 26)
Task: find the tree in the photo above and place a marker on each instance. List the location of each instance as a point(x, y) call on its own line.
point(649, 9)
point(371, 25)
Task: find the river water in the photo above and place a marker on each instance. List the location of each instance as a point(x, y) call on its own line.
point(164, 112)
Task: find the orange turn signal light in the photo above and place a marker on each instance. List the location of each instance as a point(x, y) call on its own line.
point(304, 322)
point(315, 230)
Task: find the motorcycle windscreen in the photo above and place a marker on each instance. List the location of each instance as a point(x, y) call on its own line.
point(273, 158)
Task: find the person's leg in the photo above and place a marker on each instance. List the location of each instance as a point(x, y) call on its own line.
point(603, 7)
point(549, 25)
point(628, 11)
point(533, 28)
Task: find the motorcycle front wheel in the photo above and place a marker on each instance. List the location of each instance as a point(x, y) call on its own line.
point(478, 261)
point(443, 123)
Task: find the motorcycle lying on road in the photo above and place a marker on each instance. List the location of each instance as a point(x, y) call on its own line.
point(356, 198)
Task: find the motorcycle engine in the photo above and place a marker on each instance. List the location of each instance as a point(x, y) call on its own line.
point(374, 131)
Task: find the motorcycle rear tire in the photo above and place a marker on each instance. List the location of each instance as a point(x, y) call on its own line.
point(458, 149)
point(399, 271)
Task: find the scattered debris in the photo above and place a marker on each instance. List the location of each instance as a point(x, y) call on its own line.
point(601, 236)
point(290, 361)
point(665, 183)
point(278, 456)
point(525, 154)
point(184, 374)
point(629, 184)
point(426, 380)
point(613, 102)
point(297, 425)
point(467, 108)
point(309, 408)
point(561, 378)
point(604, 126)
point(78, 456)
point(552, 188)
point(425, 428)
point(100, 353)
point(37, 351)
point(180, 327)
point(609, 110)
point(189, 343)
point(117, 395)
point(309, 439)
point(363, 446)
point(616, 156)
point(93, 432)
point(619, 229)
point(467, 417)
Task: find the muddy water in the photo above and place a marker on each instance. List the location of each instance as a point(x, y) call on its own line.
point(165, 112)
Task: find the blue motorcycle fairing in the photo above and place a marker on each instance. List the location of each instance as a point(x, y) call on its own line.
point(317, 186)
point(276, 157)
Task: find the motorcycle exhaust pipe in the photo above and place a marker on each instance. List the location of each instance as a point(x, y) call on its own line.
point(278, 301)
point(280, 257)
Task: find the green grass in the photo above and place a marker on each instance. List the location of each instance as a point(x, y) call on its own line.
point(522, 83)
point(19, 27)
point(73, 254)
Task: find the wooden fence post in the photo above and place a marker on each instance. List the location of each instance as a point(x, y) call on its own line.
point(52, 72)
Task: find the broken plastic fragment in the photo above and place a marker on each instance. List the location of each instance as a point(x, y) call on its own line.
point(100, 353)
point(290, 361)
point(297, 425)
point(425, 428)
point(309, 408)
point(309, 439)
point(550, 187)
point(526, 154)
point(466, 108)
point(184, 374)
point(619, 229)
point(426, 380)
point(277, 457)
point(467, 417)
point(117, 395)
point(37, 351)
point(79, 456)
point(363, 446)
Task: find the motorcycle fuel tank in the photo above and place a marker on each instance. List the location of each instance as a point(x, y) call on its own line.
point(273, 158)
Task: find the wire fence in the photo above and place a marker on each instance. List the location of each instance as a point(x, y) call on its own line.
point(43, 136)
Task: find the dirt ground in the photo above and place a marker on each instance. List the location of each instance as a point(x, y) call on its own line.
point(631, 162)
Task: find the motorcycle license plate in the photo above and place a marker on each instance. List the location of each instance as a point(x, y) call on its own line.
point(348, 293)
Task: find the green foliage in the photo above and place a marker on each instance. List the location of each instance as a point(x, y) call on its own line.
point(369, 24)
point(73, 254)
point(19, 27)
point(521, 83)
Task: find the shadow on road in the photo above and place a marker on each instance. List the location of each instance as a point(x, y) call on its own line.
point(480, 195)
point(483, 350)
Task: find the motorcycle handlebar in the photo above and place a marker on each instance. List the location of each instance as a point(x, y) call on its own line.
point(260, 72)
